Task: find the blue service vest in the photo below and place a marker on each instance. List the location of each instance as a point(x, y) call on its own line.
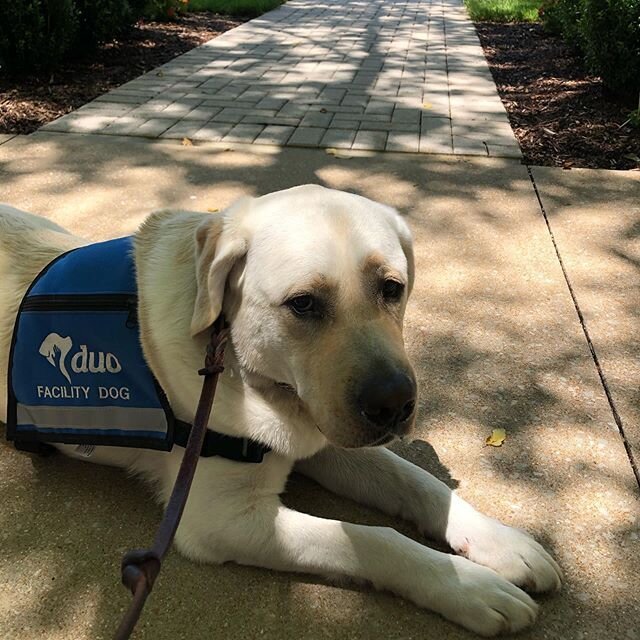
point(77, 373)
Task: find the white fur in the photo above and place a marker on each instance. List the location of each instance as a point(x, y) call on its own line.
point(245, 262)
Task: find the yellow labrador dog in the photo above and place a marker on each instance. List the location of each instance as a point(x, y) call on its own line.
point(314, 283)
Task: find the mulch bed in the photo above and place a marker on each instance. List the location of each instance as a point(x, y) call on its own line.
point(559, 112)
point(28, 102)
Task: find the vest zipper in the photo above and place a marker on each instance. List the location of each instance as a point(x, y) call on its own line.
point(82, 302)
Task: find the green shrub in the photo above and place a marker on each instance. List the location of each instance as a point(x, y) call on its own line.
point(38, 34)
point(611, 30)
point(564, 17)
point(607, 33)
point(102, 20)
point(35, 34)
point(165, 9)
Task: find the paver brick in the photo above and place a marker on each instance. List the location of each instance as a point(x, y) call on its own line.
point(123, 98)
point(226, 104)
point(294, 110)
point(105, 109)
point(380, 107)
point(243, 133)
point(370, 140)
point(355, 100)
point(153, 127)
point(316, 119)
point(388, 126)
point(338, 138)
point(124, 125)
point(271, 103)
point(408, 141)
point(435, 136)
point(180, 108)
point(212, 131)
point(118, 106)
point(504, 151)
point(274, 134)
point(336, 108)
point(201, 113)
point(401, 114)
point(272, 120)
point(363, 117)
point(184, 129)
point(230, 115)
point(80, 123)
point(307, 136)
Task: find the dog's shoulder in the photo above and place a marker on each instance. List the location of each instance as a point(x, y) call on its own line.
point(164, 221)
point(167, 231)
point(28, 242)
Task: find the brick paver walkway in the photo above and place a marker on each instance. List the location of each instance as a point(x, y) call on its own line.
point(403, 75)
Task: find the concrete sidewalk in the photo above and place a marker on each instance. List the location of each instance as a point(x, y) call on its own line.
point(496, 341)
point(408, 75)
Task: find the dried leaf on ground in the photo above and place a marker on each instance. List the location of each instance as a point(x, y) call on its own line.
point(497, 438)
point(339, 153)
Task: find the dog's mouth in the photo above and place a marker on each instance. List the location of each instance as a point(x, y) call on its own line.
point(382, 440)
point(289, 393)
point(274, 389)
point(264, 383)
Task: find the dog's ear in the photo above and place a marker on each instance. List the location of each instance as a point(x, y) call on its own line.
point(406, 242)
point(219, 245)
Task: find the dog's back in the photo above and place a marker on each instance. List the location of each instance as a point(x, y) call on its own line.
point(27, 244)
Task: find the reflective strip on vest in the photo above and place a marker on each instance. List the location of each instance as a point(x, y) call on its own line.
point(76, 419)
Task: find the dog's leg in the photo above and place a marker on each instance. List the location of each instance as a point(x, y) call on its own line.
point(379, 478)
point(264, 533)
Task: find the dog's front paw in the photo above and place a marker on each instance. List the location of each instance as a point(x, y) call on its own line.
point(512, 553)
point(482, 601)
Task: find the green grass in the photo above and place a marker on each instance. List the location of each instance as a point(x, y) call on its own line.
point(503, 10)
point(235, 7)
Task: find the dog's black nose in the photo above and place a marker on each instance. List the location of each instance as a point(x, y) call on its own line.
point(388, 400)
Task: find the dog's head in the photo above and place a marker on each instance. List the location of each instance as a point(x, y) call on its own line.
point(314, 283)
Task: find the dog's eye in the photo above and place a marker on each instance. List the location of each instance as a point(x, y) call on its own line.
point(392, 290)
point(303, 305)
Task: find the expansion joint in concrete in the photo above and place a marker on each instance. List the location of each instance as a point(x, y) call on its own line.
point(585, 330)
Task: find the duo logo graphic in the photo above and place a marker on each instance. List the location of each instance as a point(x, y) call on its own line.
point(55, 348)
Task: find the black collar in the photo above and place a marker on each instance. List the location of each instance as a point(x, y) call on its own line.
point(222, 445)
